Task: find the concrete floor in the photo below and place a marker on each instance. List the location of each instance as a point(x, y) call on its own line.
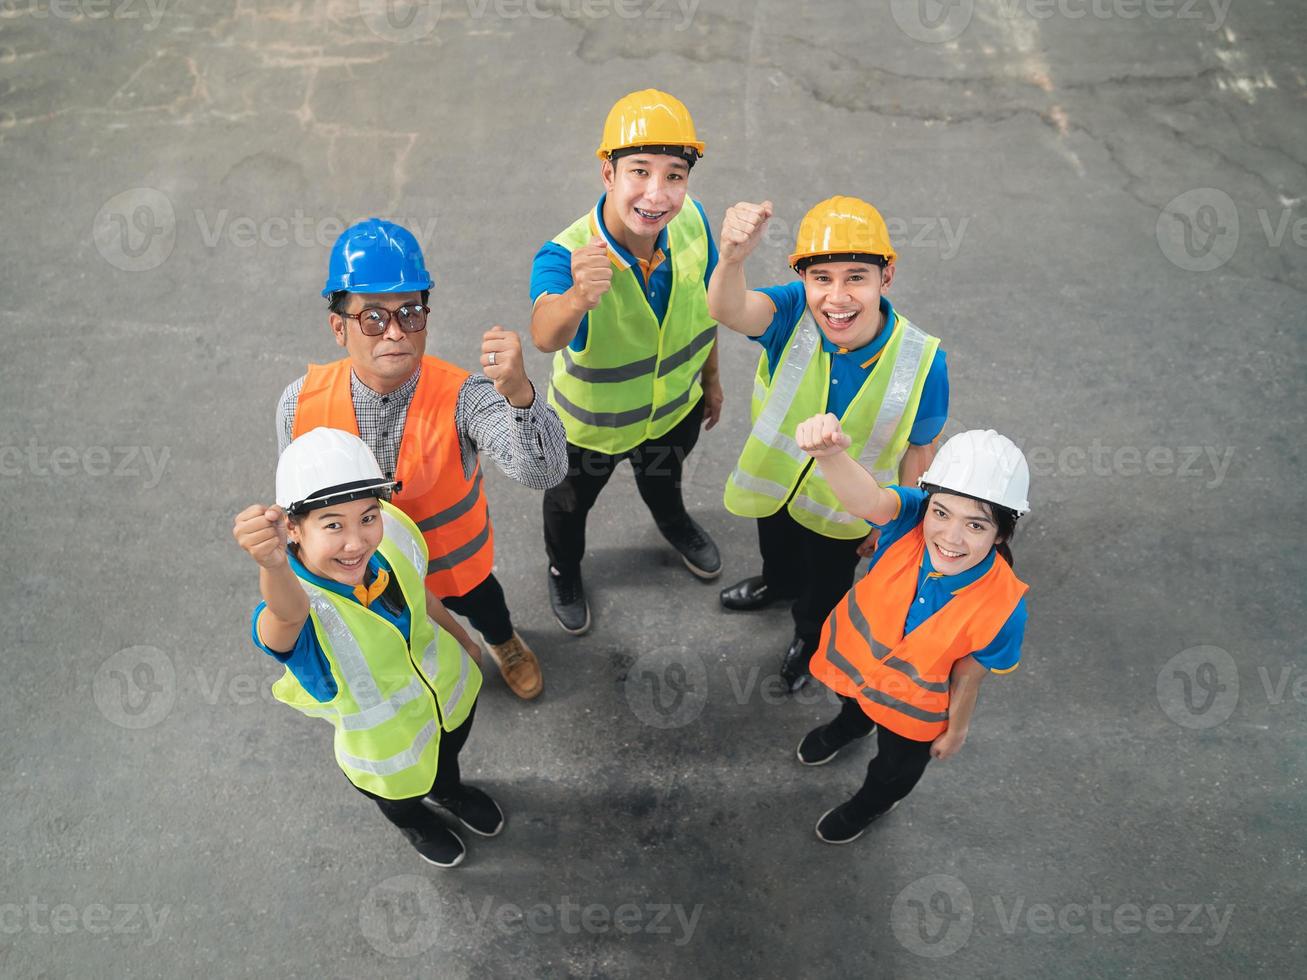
point(1099, 208)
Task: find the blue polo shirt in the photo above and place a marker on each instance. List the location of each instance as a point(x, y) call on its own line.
point(551, 271)
point(935, 589)
point(850, 369)
point(307, 661)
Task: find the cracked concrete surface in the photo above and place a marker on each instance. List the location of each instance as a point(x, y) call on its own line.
point(1101, 215)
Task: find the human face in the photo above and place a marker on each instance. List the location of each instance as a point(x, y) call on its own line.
point(337, 541)
point(645, 192)
point(844, 298)
point(960, 532)
point(382, 363)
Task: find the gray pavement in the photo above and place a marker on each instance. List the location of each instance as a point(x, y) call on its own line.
point(1100, 209)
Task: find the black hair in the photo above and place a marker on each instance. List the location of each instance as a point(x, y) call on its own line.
point(337, 301)
point(808, 260)
point(687, 153)
point(1005, 519)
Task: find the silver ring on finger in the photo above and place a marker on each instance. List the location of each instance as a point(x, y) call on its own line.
point(490, 359)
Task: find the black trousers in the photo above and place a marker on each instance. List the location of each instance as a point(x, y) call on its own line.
point(485, 608)
point(657, 464)
point(895, 769)
point(814, 569)
point(410, 815)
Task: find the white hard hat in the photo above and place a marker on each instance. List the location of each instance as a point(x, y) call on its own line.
point(327, 466)
point(985, 465)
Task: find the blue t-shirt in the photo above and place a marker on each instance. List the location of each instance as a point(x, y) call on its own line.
point(934, 589)
point(551, 272)
point(307, 661)
point(847, 372)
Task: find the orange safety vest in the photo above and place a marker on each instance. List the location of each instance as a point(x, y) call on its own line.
point(902, 682)
point(449, 509)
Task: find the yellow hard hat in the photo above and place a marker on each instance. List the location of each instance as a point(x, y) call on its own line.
point(840, 228)
point(649, 119)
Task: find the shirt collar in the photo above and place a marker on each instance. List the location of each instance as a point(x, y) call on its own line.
point(955, 583)
point(375, 563)
point(621, 257)
point(403, 393)
point(871, 348)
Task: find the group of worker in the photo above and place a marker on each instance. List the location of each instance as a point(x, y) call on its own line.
point(381, 528)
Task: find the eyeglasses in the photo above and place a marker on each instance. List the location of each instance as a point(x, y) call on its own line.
point(374, 320)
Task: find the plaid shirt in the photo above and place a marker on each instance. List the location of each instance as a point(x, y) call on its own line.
point(528, 444)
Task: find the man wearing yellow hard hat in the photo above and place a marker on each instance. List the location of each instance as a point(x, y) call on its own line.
point(620, 298)
point(854, 356)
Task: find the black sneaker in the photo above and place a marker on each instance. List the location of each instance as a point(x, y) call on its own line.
point(441, 846)
point(845, 824)
point(821, 745)
point(696, 549)
point(794, 664)
point(474, 809)
point(567, 597)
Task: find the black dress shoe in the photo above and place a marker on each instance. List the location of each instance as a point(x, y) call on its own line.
point(750, 594)
point(694, 546)
point(794, 664)
point(567, 598)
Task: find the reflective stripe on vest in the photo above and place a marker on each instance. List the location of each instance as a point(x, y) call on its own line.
point(388, 711)
point(902, 681)
point(636, 378)
point(450, 507)
point(771, 452)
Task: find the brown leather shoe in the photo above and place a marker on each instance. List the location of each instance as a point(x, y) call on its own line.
point(519, 667)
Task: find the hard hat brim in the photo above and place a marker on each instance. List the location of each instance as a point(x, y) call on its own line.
point(403, 286)
point(343, 494)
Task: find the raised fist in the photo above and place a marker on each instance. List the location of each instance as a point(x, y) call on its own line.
point(822, 435)
point(262, 531)
point(592, 272)
point(742, 229)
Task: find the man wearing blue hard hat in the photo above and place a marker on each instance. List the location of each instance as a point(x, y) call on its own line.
point(426, 421)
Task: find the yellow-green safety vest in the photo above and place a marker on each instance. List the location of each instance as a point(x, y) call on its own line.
point(634, 380)
point(772, 470)
point(394, 694)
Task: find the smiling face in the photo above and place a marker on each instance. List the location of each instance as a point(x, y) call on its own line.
point(844, 299)
point(386, 362)
point(645, 192)
point(337, 541)
point(959, 532)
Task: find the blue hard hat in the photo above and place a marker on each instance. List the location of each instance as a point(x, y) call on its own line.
point(376, 256)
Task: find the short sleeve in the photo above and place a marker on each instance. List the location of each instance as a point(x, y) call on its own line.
point(551, 273)
point(306, 660)
point(1004, 653)
point(790, 300)
point(912, 507)
point(932, 409)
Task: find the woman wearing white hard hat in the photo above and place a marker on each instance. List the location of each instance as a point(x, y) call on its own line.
point(341, 572)
point(939, 608)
